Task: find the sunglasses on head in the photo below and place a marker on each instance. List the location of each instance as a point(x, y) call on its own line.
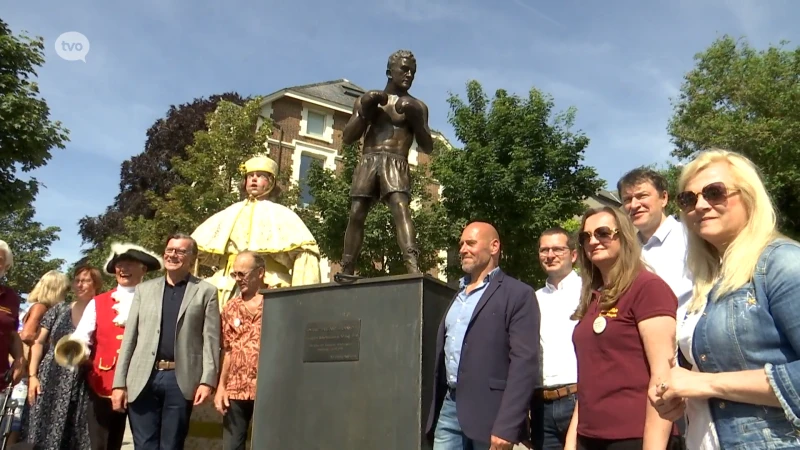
point(714, 194)
point(603, 234)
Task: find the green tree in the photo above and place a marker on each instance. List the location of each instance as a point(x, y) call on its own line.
point(748, 101)
point(328, 214)
point(672, 173)
point(30, 242)
point(572, 225)
point(26, 133)
point(212, 164)
point(520, 169)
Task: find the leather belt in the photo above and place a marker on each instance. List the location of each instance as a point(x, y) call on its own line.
point(558, 393)
point(165, 365)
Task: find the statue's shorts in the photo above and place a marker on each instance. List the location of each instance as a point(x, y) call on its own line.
point(379, 174)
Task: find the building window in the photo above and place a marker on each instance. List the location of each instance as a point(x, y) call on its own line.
point(305, 164)
point(316, 124)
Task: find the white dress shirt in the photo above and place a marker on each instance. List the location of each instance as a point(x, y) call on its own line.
point(556, 305)
point(665, 253)
point(701, 434)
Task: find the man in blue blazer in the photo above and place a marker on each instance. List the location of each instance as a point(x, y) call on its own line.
point(487, 353)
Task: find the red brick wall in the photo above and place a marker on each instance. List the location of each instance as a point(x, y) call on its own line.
point(287, 112)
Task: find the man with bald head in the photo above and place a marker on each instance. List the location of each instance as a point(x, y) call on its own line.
point(487, 353)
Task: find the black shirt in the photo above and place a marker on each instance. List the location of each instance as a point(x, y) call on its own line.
point(170, 305)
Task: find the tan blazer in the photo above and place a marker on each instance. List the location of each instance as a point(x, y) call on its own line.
point(197, 338)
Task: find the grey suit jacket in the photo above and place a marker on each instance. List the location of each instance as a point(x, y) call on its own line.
point(197, 339)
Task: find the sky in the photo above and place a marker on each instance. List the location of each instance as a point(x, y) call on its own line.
point(620, 63)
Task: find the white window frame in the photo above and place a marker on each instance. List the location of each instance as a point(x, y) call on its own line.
point(327, 135)
point(318, 151)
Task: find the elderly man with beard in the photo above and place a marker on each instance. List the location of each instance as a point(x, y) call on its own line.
point(241, 335)
point(102, 326)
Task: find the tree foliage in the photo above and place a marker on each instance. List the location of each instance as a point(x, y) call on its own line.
point(151, 174)
point(328, 214)
point(26, 133)
point(30, 242)
point(672, 173)
point(212, 170)
point(520, 169)
point(747, 101)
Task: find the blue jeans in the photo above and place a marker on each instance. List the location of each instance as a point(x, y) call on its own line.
point(550, 422)
point(159, 416)
point(448, 434)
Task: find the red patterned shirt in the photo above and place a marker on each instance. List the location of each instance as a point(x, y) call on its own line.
point(241, 335)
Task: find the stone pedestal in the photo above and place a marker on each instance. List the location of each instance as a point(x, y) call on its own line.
point(348, 366)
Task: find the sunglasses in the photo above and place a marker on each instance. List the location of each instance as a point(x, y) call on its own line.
point(603, 234)
point(242, 275)
point(714, 194)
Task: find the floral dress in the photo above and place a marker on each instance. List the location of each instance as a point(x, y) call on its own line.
point(58, 418)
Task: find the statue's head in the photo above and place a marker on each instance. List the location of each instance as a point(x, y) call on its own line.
point(401, 68)
point(260, 173)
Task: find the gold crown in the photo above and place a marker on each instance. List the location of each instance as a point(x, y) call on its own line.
point(260, 164)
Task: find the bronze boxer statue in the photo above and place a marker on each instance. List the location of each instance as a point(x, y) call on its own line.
point(389, 120)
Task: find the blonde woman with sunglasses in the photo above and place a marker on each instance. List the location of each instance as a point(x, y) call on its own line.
point(624, 340)
point(741, 334)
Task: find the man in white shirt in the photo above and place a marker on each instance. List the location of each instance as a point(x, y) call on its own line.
point(554, 402)
point(644, 196)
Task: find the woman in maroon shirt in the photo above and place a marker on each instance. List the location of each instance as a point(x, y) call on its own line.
point(624, 340)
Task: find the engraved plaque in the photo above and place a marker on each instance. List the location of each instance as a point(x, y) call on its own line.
point(332, 341)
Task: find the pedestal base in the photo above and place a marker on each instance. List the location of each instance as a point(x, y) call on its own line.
point(348, 366)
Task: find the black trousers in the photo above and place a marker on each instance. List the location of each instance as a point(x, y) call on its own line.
point(106, 426)
point(235, 424)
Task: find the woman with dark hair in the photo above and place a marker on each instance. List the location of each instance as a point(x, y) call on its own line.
point(58, 396)
point(624, 340)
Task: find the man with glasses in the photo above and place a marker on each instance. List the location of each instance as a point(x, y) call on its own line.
point(554, 401)
point(169, 358)
point(241, 335)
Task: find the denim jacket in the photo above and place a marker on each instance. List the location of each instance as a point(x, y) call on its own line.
point(754, 327)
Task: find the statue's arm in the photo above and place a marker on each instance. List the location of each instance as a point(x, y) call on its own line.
point(356, 126)
point(422, 132)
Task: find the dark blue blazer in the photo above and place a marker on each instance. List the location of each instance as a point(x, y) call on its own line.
point(499, 364)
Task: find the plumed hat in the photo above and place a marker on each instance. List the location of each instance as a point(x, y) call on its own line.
point(121, 251)
point(261, 164)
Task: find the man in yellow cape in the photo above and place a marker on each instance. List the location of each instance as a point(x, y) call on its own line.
point(257, 224)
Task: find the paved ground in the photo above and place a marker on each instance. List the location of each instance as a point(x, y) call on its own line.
point(127, 444)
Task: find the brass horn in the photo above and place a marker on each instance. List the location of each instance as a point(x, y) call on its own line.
point(70, 352)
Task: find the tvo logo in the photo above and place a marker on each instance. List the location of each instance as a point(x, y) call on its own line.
point(72, 46)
